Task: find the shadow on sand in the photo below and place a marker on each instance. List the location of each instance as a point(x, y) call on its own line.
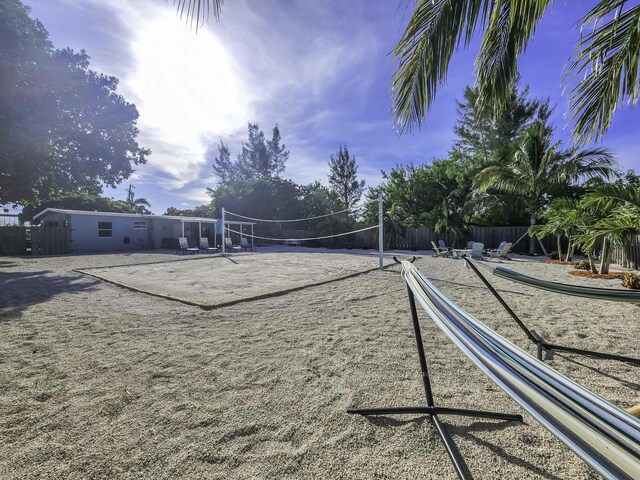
point(20, 290)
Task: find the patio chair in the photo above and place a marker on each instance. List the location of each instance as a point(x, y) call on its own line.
point(245, 245)
point(501, 252)
point(442, 245)
point(500, 247)
point(229, 246)
point(183, 246)
point(204, 246)
point(476, 251)
point(440, 252)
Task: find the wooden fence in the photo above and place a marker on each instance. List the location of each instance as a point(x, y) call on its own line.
point(45, 239)
point(14, 241)
point(420, 239)
point(629, 255)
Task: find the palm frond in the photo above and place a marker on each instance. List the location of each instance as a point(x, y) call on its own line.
point(511, 25)
point(435, 29)
point(198, 11)
point(608, 57)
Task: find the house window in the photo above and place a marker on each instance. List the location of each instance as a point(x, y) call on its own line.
point(139, 225)
point(105, 229)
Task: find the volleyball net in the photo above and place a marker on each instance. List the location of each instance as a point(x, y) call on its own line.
point(347, 228)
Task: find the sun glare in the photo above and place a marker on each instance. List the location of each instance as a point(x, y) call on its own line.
point(186, 86)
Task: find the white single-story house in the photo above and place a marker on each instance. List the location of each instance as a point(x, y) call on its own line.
point(112, 232)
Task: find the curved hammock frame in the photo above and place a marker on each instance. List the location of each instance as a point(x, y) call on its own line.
point(612, 294)
point(604, 436)
point(541, 343)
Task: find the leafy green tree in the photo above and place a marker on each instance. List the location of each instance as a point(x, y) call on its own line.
point(223, 167)
point(533, 170)
point(270, 198)
point(619, 222)
point(75, 201)
point(204, 211)
point(278, 154)
point(343, 177)
point(259, 158)
point(605, 58)
point(63, 127)
point(480, 135)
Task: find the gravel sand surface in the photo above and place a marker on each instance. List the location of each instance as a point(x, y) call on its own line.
point(97, 381)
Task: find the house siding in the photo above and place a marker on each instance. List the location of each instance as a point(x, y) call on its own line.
point(85, 239)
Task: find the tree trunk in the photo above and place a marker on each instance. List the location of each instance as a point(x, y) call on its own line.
point(605, 257)
point(559, 245)
point(570, 250)
point(532, 240)
point(592, 264)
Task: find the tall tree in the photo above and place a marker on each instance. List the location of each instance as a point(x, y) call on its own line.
point(479, 134)
point(278, 154)
point(259, 158)
point(605, 57)
point(533, 169)
point(63, 127)
point(223, 167)
point(253, 160)
point(343, 177)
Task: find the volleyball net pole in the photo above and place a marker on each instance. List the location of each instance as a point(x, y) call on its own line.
point(224, 228)
point(380, 231)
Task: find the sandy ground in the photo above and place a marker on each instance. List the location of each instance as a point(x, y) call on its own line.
point(97, 381)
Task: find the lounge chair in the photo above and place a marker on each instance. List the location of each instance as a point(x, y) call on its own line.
point(440, 252)
point(501, 251)
point(442, 245)
point(183, 246)
point(230, 247)
point(476, 251)
point(204, 246)
point(245, 245)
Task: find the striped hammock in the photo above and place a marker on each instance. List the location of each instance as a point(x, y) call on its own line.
point(613, 294)
point(604, 436)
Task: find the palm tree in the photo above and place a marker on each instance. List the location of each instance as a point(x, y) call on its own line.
point(606, 55)
point(533, 169)
point(138, 205)
point(620, 223)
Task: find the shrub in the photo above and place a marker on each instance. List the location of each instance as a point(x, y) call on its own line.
point(631, 280)
point(582, 265)
point(554, 256)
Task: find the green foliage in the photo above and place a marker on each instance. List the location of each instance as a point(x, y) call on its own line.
point(631, 280)
point(605, 59)
point(63, 127)
point(204, 211)
point(76, 201)
point(138, 205)
point(343, 177)
point(271, 198)
point(259, 158)
point(481, 135)
point(582, 265)
point(534, 169)
point(432, 196)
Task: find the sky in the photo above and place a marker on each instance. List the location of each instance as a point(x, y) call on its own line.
point(321, 71)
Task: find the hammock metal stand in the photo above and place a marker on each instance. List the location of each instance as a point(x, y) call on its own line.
point(541, 344)
point(431, 409)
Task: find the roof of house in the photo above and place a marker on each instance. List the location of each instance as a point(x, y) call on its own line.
point(124, 215)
